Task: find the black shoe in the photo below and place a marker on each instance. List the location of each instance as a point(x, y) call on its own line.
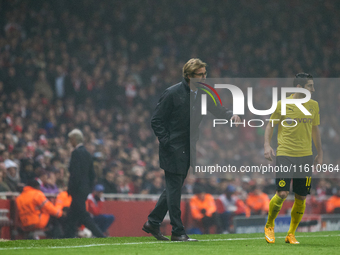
point(182, 238)
point(148, 228)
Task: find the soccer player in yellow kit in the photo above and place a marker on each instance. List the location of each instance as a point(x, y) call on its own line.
point(294, 148)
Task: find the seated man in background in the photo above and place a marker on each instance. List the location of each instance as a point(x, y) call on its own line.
point(94, 204)
point(232, 206)
point(258, 201)
point(203, 209)
point(63, 200)
point(12, 178)
point(333, 203)
point(49, 186)
point(35, 209)
point(3, 185)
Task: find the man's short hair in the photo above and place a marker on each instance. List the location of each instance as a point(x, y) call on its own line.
point(77, 134)
point(34, 184)
point(191, 66)
point(302, 79)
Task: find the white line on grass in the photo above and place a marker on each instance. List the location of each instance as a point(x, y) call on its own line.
point(155, 242)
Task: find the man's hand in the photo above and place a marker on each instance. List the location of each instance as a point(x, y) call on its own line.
point(97, 198)
point(318, 160)
point(235, 119)
point(164, 141)
point(268, 152)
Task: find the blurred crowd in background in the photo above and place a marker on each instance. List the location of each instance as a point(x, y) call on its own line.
point(101, 66)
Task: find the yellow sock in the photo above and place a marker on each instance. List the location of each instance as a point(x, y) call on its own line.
point(297, 212)
point(275, 206)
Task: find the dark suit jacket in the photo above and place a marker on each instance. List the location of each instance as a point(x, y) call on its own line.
point(82, 174)
point(174, 127)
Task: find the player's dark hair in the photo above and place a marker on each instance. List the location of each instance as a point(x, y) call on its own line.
point(302, 79)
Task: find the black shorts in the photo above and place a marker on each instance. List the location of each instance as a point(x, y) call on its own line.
point(301, 181)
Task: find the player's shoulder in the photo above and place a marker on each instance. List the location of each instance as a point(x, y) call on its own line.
point(313, 102)
point(174, 88)
point(278, 106)
point(75, 152)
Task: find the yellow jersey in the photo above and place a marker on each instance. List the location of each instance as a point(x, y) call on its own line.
point(295, 132)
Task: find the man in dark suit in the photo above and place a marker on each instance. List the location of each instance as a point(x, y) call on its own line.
point(80, 184)
point(177, 134)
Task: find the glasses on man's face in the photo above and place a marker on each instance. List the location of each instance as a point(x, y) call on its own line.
point(201, 74)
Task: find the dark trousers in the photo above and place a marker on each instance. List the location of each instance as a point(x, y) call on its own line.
point(170, 199)
point(207, 222)
point(104, 221)
point(54, 228)
point(78, 215)
point(226, 218)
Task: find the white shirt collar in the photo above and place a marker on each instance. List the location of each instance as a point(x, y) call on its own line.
point(78, 145)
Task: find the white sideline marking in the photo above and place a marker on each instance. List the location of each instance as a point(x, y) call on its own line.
point(155, 242)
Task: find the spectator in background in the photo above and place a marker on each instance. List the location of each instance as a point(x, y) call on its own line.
point(157, 186)
point(324, 188)
point(49, 186)
point(99, 163)
point(42, 87)
point(35, 209)
point(109, 182)
point(121, 184)
point(61, 176)
point(3, 185)
point(333, 203)
point(136, 184)
point(147, 182)
point(12, 177)
point(94, 205)
point(203, 209)
point(232, 206)
point(26, 170)
point(188, 187)
point(258, 201)
point(12, 83)
point(211, 186)
point(62, 86)
point(42, 177)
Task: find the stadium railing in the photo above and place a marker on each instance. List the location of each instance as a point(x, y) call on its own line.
point(114, 196)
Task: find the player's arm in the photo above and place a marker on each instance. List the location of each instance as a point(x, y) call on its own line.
point(221, 112)
point(317, 137)
point(160, 117)
point(268, 134)
point(317, 142)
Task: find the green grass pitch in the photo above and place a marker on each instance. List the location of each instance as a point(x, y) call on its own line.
point(310, 243)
